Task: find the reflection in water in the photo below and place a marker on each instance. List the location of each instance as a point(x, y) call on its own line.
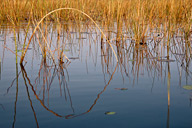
point(37, 97)
point(16, 98)
point(2, 107)
point(168, 113)
point(152, 59)
point(168, 84)
point(169, 74)
point(12, 83)
point(98, 96)
point(30, 98)
point(26, 78)
point(47, 75)
point(0, 67)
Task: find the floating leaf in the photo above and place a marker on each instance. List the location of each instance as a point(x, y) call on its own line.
point(188, 87)
point(110, 113)
point(121, 88)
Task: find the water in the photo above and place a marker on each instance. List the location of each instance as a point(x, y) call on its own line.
point(41, 94)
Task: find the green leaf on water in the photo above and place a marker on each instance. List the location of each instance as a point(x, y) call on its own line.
point(121, 89)
point(110, 113)
point(188, 87)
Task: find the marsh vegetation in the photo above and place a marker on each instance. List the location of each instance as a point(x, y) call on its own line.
point(96, 58)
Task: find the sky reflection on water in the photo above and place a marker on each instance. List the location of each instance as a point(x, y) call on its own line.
point(42, 94)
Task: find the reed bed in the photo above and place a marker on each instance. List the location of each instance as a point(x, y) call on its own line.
point(134, 20)
point(144, 35)
point(106, 11)
point(137, 16)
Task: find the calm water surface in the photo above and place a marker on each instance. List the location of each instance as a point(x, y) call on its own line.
point(41, 94)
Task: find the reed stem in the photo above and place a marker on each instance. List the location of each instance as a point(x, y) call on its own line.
point(73, 9)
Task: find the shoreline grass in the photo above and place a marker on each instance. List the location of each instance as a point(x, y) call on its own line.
point(137, 16)
point(107, 11)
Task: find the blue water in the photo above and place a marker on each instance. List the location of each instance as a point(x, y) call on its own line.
point(88, 91)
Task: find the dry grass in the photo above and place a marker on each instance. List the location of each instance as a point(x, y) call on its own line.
point(107, 11)
point(139, 15)
point(138, 18)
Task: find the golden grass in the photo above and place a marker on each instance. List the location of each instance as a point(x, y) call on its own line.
point(107, 11)
point(139, 15)
point(136, 17)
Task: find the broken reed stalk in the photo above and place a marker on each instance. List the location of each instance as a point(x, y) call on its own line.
point(59, 9)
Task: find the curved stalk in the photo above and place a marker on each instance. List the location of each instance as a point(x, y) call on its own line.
point(59, 9)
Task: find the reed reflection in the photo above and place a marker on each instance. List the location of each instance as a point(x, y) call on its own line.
point(98, 96)
point(16, 97)
point(61, 77)
point(152, 58)
point(0, 67)
point(168, 86)
point(26, 78)
point(168, 117)
point(31, 104)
